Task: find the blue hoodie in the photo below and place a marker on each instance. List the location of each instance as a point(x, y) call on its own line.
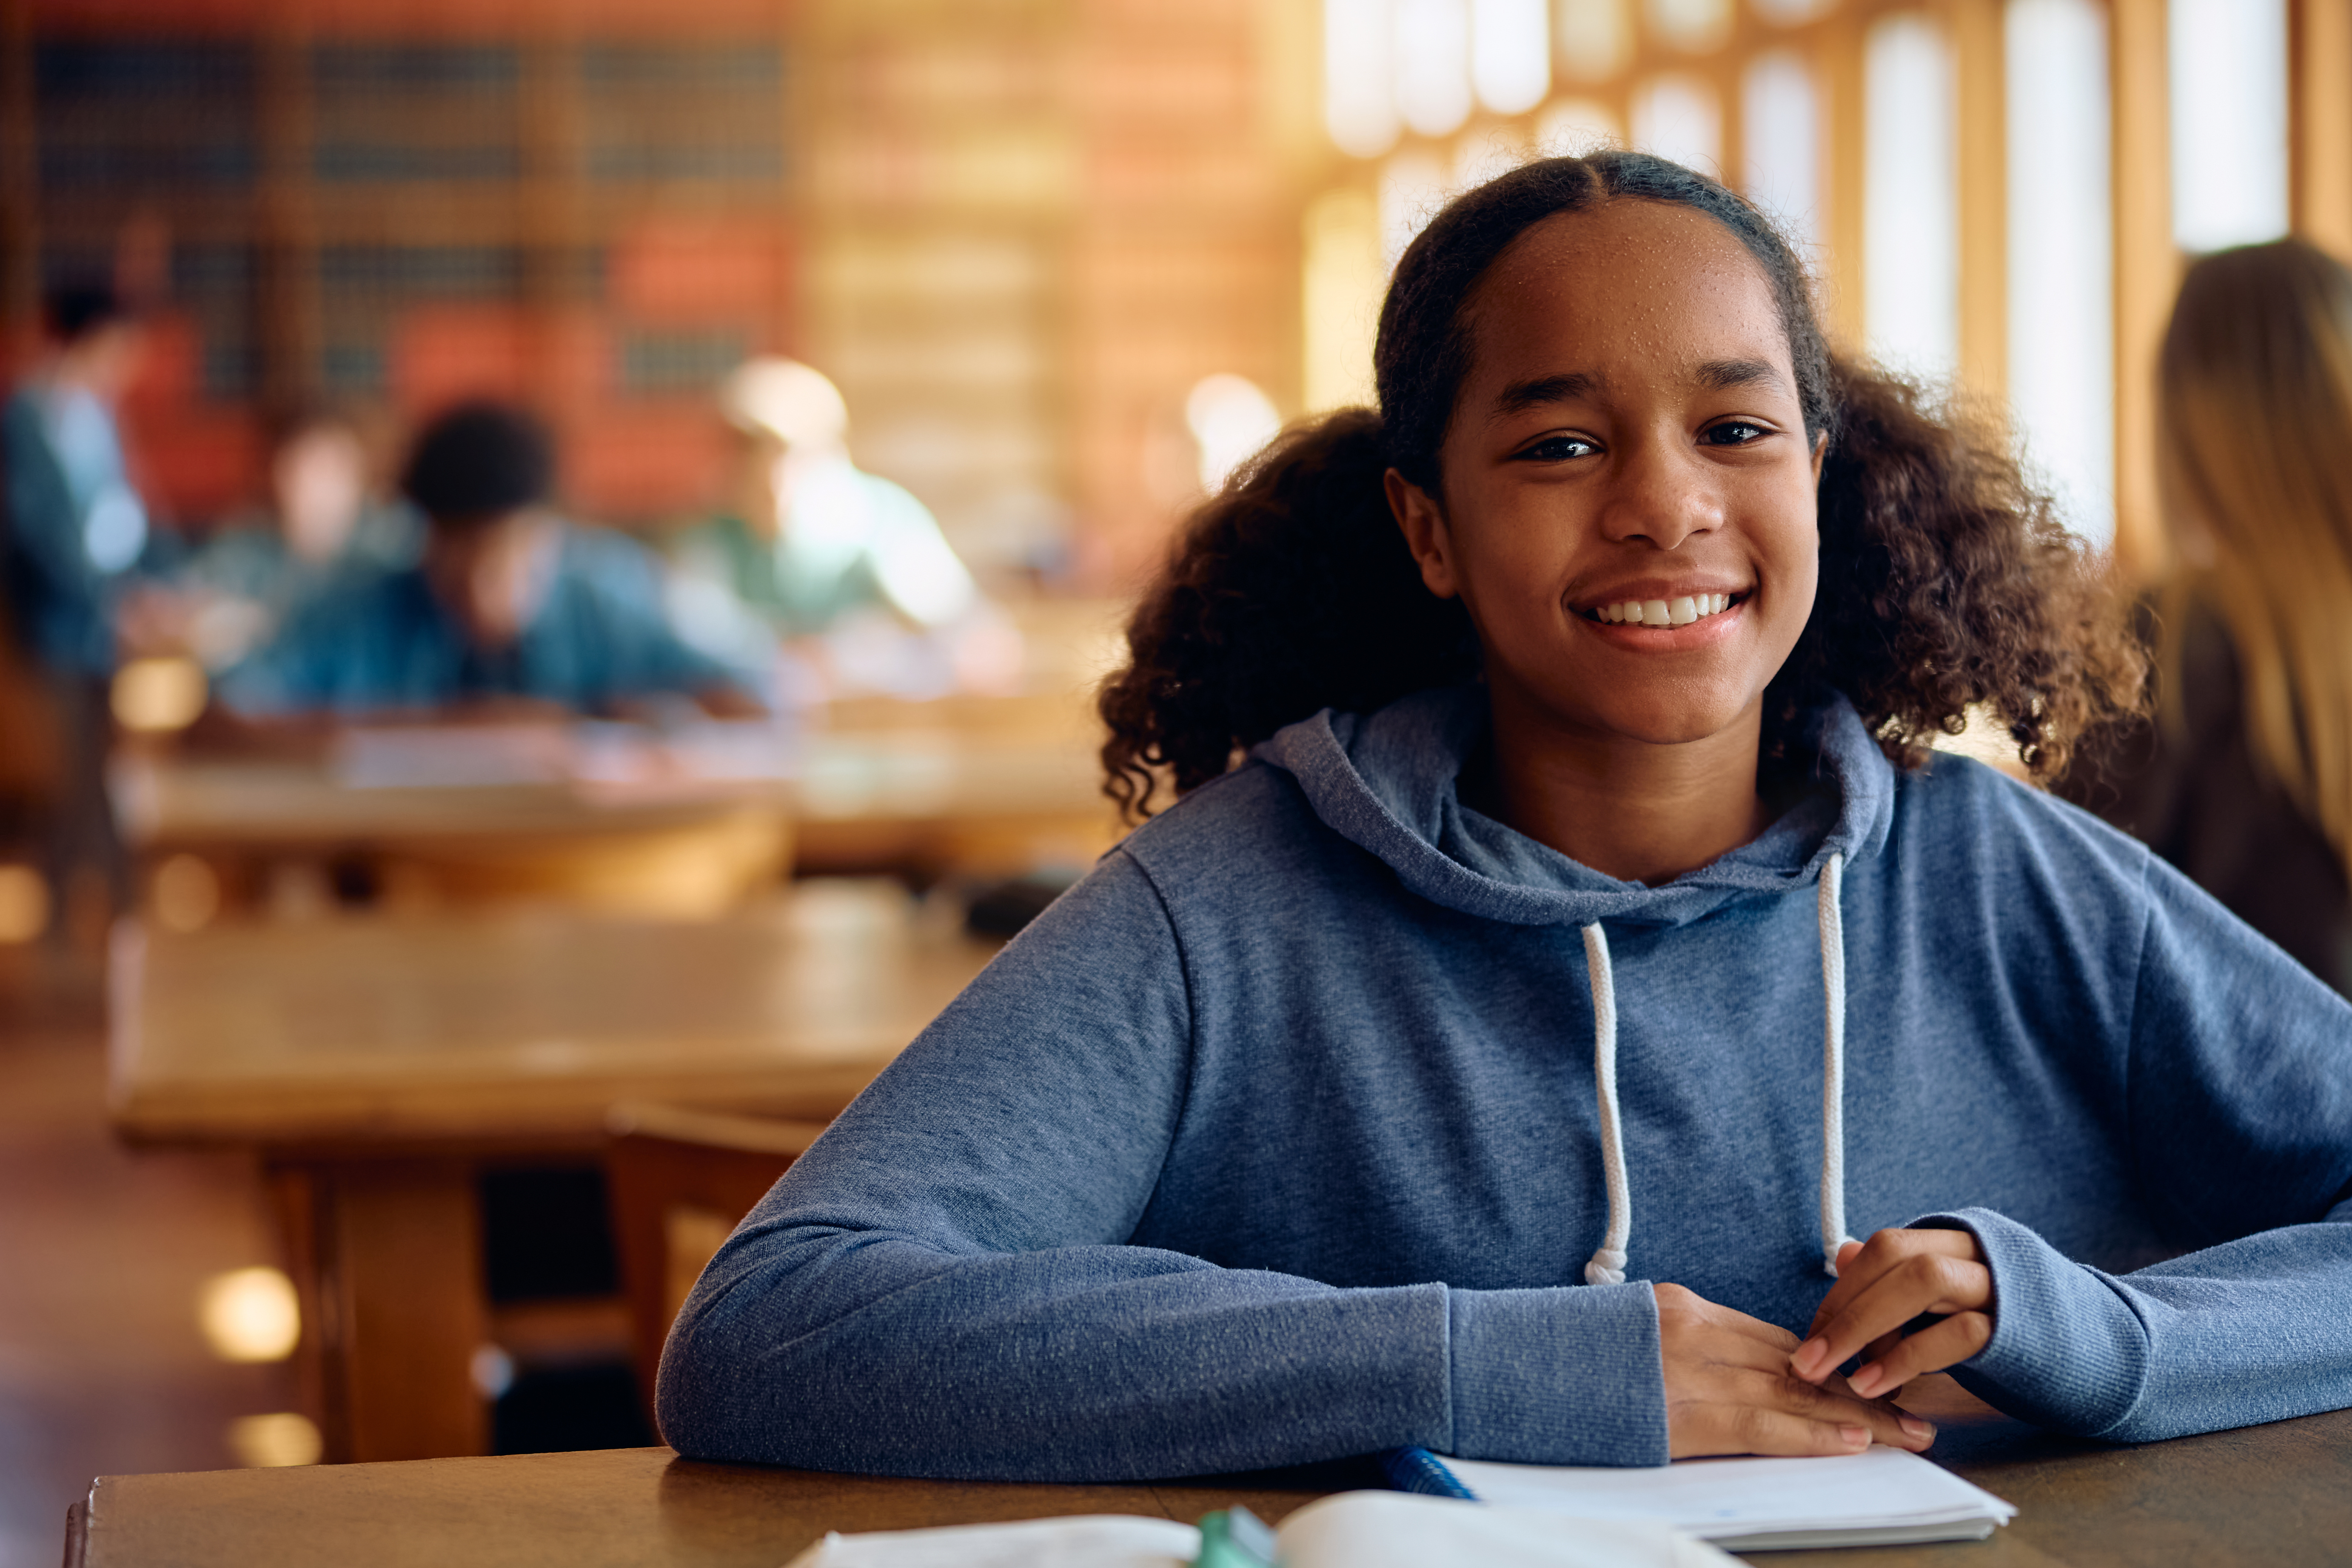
point(1278, 1138)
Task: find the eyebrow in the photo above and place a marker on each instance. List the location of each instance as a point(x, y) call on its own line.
point(1533, 393)
point(1723, 374)
point(1716, 375)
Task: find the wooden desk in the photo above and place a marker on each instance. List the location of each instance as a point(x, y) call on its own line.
point(2271, 1495)
point(267, 827)
point(377, 1065)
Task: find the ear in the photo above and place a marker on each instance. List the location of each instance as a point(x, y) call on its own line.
point(1821, 456)
point(1426, 532)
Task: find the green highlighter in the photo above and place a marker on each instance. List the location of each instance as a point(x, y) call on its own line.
point(1235, 1538)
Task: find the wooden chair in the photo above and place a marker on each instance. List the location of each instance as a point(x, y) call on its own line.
point(681, 1180)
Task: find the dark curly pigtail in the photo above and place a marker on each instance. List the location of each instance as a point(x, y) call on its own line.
point(1946, 582)
point(1291, 591)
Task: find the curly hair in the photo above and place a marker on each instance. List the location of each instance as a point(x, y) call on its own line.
point(1946, 582)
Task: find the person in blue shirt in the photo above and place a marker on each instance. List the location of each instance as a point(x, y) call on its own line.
point(73, 529)
point(321, 524)
point(1569, 1014)
point(507, 601)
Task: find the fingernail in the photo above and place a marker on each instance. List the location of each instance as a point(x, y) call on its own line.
point(1915, 1427)
point(1855, 1437)
point(1808, 1359)
point(1865, 1382)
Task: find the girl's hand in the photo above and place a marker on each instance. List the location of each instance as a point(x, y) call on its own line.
point(1729, 1390)
point(1884, 1284)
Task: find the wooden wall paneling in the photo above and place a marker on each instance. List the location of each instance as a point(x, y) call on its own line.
point(1838, 57)
point(2321, 95)
point(1982, 131)
point(2148, 271)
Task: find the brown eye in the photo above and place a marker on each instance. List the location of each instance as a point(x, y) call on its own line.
point(1733, 433)
point(1558, 449)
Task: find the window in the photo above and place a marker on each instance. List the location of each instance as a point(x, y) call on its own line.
point(1781, 142)
point(2228, 122)
point(1910, 198)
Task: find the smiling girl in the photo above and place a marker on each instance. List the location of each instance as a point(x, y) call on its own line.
point(1560, 941)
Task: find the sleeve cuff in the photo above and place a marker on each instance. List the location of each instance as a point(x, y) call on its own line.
point(1569, 1375)
point(2067, 1351)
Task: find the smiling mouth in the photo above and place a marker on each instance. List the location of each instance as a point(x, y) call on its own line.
point(1677, 611)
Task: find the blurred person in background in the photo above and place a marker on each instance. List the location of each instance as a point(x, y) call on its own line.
point(507, 601)
point(74, 528)
point(2243, 780)
point(849, 567)
point(321, 522)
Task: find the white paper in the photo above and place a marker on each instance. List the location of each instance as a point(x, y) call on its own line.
point(1880, 1488)
point(1353, 1530)
point(1085, 1540)
point(1394, 1530)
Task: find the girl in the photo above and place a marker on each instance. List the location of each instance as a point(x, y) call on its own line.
point(1496, 1059)
point(2246, 784)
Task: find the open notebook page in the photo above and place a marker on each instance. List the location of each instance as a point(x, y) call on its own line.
point(1879, 1496)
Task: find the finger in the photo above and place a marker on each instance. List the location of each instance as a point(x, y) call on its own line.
point(1834, 1403)
point(1924, 1282)
point(1949, 1343)
point(1746, 1429)
point(1863, 1264)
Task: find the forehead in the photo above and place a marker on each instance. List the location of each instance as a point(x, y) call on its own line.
point(1627, 285)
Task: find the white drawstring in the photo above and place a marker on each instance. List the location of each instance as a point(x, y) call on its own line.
point(1607, 1265)
point(1833, 1233)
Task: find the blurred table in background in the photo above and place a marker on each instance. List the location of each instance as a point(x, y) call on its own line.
point(377, 1065)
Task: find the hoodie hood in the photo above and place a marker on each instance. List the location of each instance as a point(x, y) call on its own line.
point(1387, 781)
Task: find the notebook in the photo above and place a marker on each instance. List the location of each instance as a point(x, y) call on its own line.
point(1880, 1497)
point(1353, 1529)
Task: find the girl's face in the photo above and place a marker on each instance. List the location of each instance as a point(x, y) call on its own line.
point(1626, 450)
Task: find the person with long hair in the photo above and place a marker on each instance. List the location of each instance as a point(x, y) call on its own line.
point(1562, 947)
point(2244, 779)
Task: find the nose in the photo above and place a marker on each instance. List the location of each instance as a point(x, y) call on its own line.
point(1659, 494)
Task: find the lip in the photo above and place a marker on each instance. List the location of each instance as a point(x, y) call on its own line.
point(1668, 589)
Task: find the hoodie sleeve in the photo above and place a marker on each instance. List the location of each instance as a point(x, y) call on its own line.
point(940, 1286)
point(2241, 1121)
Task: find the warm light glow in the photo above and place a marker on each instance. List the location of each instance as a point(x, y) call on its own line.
point(1676, 117)
point(1694, 26)
point(1790, 13)
point(1344, 282)
point(1358, 76)
point(1432, 64)
point(1781, 142)
point(274, 1441)
point(24, 904)
point(1413, 187)
point(250, 1315)
point(2061, 256)
point(1482, 155)
point(1911, 282)
point(186, 893)
point(1510, 54)
point(1575, 126)
point(1593, 38)
point(1231, 421)
point(2229, 77)
point(156, 696)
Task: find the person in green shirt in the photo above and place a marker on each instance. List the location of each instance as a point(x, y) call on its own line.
point(849, 567)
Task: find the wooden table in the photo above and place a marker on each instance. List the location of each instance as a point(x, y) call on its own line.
point(2271, 1495)
point(377, 1065)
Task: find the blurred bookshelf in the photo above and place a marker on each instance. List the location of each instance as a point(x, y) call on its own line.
point(1014, 231)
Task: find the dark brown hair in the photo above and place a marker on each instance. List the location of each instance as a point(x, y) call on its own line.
point(1946, 579)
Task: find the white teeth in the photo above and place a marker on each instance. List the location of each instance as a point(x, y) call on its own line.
point(1678, 612)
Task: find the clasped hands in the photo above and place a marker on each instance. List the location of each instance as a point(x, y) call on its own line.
point(1735, 1384)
